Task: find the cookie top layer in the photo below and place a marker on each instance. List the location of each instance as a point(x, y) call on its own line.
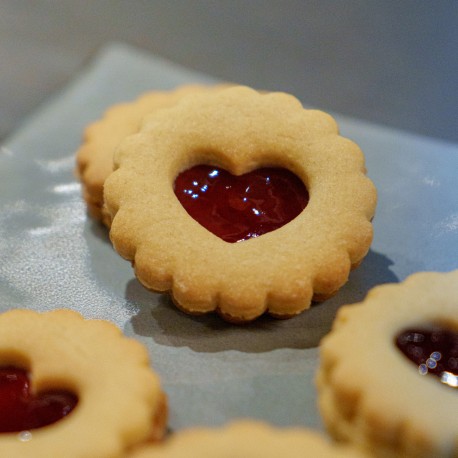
point(370, 392)
point(240, 130)
point(250, 439)
point(118, 394)
point(95, 156)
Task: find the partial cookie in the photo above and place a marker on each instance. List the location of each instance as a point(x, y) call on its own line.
point(91, 390)
point(389, 369)
point(239, 130)
point(247, 439)
point(95, 156)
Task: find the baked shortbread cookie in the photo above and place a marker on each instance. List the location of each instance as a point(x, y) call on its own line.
point(247, 439)
point(389, 369)
point(73, 387)
point(95, 156)
point(218, 142)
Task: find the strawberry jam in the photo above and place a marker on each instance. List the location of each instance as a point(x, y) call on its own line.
point(237, 208)
point(433, 350)
point(21, 410)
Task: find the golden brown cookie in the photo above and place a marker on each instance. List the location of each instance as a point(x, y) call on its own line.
point(247, 439)
point(389, 369)
point(95, 155)
point(118, 399)
point(240, 130)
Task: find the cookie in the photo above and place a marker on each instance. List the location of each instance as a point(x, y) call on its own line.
point(389, 369)
point(73, 387)
point(248, 439)
point(95, 156)
point(239, 131)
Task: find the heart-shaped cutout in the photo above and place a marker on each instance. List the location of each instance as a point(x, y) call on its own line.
point(20, 410)
point(434, 350)
point(237, 208)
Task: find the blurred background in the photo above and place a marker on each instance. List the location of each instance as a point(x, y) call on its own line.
point(389, 62)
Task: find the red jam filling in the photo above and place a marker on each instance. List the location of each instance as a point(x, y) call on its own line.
point(21, 410)
point(237, 208)
point(433, 350)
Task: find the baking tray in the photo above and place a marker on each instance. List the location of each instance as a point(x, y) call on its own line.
point(53, 255)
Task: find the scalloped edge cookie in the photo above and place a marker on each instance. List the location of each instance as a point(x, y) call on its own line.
point(247, 439)
point(94, 158)
point(240, 129)
point(369, 393)
point(120, 402)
